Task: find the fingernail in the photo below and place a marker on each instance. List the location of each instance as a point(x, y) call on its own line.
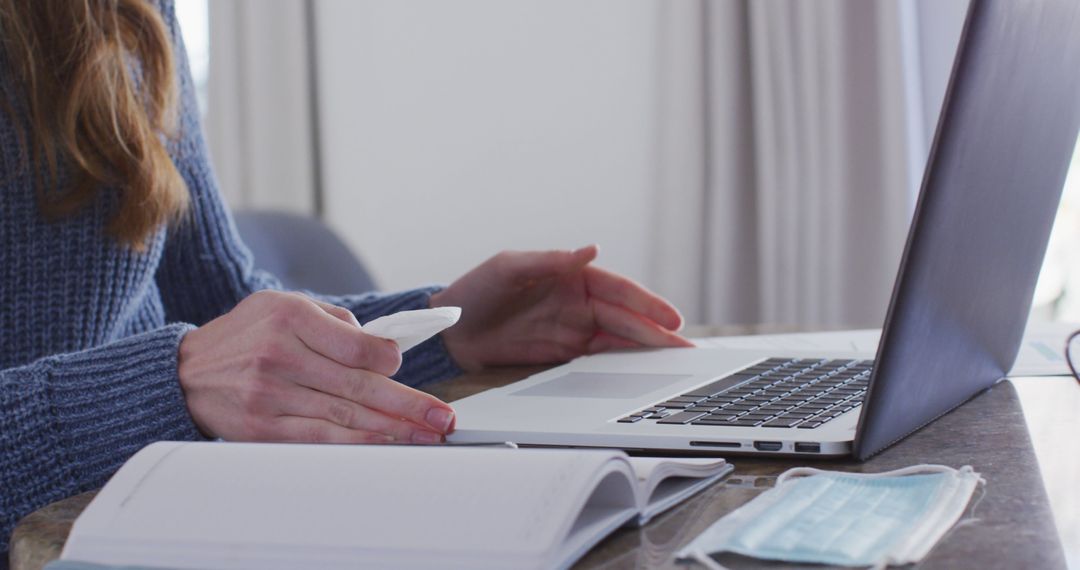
point(681, 322)
point(426, 437)
point(439, 419)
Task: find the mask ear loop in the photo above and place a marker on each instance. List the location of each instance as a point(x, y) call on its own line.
point(707, 561)
point(910, 470)
point(971, 518)
point(980, 485)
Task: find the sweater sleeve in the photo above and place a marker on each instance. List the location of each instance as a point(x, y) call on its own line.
point(69, 421)
point(206, 269)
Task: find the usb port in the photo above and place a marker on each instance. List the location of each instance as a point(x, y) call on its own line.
point(767, 445)
point(807, 447)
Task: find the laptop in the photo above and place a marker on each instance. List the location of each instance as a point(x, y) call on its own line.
point(955, 319)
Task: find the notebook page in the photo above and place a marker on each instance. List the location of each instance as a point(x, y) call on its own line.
point(646, 467)
point(665, 481)
point(383, 500)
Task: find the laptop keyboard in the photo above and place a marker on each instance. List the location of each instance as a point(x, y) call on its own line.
point(779, 393)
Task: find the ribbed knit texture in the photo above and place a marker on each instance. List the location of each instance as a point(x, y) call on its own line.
point(89, 329)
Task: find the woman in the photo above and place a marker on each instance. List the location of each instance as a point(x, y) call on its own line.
point(130, 311)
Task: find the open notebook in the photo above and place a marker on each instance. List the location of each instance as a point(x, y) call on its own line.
point(239, 505)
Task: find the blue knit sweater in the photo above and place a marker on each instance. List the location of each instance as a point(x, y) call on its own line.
point(89, 329)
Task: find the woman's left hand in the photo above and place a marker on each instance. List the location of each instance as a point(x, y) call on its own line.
point(542, 307)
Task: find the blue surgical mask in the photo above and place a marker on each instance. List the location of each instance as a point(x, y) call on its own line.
point(845, 519)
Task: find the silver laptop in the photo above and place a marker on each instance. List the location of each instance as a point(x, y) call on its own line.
point(958, 308)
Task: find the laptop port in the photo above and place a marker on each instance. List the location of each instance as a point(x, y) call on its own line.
point(767, 445)
point(715, 444)
point(807, 447)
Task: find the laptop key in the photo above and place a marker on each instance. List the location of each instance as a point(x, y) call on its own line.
point(710, 422)
point(743, 423)
point(810, 424)
point(630, 419)
point(710, 390)
point(703, 409)
point(682, 418)
point(784, 422)
point(678, 405)
point(735, 393)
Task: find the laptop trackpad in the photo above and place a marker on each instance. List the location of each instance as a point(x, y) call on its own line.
point(601, 385)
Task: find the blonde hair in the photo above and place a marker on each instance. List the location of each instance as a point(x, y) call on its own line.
point(99, 81)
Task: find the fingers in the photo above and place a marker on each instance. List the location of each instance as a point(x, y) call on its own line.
point(609, 287)
point(295, 429)
point(619, 290)
point(339, 312)
point(530, 265)
point(626, 324)
point(342, 342)
point(604, 341)
point(318, 405)
point(376, 392)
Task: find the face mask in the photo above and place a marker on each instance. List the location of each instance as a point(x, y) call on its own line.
point(845, 519)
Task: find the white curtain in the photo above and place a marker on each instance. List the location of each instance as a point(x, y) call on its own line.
point(790, 136)
point(259, 122)
point(784, 183)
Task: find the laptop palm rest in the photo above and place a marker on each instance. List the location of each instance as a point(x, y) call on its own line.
point(601, 385)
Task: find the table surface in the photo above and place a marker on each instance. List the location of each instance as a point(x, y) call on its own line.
point(1027, 517)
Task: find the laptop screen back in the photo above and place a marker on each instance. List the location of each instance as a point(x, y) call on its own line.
point(977, 240)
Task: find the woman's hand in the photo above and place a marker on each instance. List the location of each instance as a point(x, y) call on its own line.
point(283, 367)
point(551, 306)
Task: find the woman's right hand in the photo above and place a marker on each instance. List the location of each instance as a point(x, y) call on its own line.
point(284, 367)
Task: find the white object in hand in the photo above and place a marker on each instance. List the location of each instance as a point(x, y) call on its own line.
point(410, 328)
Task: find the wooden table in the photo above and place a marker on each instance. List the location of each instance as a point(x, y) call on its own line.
point(1014, 524)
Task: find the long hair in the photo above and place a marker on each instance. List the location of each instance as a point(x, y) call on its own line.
point(100, 89)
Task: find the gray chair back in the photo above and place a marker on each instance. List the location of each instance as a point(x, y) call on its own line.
point(302, 252)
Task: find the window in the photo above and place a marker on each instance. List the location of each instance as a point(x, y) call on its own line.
point(194, 18)
point(1057, 295)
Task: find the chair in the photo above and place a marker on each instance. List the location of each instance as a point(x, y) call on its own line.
point(302, 252)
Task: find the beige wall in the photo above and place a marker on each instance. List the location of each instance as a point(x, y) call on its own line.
point(452, 130)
